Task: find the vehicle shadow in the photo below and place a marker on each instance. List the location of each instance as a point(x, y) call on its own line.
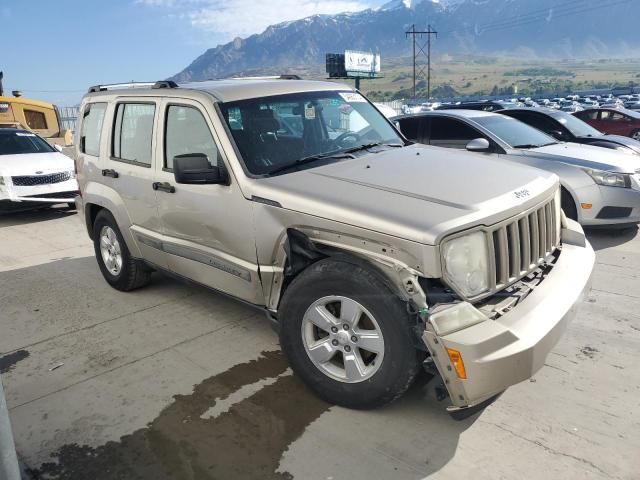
point(12, 219)
point(608, 238)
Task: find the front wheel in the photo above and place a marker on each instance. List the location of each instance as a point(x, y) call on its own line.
point(118, 268)
point(347, 336)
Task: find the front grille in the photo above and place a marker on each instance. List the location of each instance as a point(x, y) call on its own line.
point(521, 244)
point(614, 212)
point(70, 195)
point(34, 180)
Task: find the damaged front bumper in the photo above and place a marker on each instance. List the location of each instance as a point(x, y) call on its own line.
point(513, 347)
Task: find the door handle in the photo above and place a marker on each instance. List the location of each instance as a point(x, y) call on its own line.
point(109, 172)
point(164, 186)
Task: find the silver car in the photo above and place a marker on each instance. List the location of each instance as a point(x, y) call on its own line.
point(372, 257)
point(600, 187)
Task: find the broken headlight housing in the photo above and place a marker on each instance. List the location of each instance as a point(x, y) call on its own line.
point(466, 263)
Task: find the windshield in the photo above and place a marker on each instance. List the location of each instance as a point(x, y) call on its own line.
point(513, 132)
point(576, 126)
point(15, 143)
point(275, 132)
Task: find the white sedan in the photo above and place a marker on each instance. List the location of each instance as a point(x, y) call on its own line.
point(33, 173)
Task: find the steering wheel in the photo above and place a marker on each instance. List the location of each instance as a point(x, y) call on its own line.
point(340, 138)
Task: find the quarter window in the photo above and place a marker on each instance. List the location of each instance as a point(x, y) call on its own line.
point(35, 120)
point(187, 131)
point(133, 133)
point(91, 130)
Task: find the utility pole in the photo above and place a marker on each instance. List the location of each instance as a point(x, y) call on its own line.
point(419, 48)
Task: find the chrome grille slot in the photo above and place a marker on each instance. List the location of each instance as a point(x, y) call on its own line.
point(520, 245)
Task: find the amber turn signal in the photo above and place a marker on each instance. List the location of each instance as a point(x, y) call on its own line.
point(458, 364)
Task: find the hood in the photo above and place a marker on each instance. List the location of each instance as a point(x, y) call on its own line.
point(618, 140)
point(418, 193)
point(34, 164)
point(588, 156)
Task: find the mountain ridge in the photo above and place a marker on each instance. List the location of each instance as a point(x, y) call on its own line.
point(482, 27)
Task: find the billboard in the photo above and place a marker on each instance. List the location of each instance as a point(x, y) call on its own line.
point(366, 62)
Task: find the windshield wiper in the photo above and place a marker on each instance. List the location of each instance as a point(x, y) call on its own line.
point(526, 145)
point(310, 159)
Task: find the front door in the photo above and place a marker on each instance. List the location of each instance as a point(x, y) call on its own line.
point(208, 229)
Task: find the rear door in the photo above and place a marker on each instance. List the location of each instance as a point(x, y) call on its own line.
point(129, 171)
point(207, 229)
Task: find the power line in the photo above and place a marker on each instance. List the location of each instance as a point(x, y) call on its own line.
point(418, 50)
point(534, 18)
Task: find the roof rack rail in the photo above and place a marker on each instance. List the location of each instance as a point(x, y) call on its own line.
point(165, 84)
point(286, 76)
point(122, 86)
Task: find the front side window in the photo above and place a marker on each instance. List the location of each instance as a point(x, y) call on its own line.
point(91, 130)
point(35, 120)
point(273, 133)
point(186, 131)
point(21, 142)
point(133, 133)
point(514, 133)
point(451, 133)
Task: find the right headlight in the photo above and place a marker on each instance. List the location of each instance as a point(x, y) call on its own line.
point(466, 263)
point(609, 179)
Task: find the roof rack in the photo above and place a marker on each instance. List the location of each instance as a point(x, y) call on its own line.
point(124, 86)
point(286, 76)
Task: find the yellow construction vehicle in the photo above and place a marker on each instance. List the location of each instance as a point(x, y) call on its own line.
point(35, 115)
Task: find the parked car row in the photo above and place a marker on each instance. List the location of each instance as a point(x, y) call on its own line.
point(599, 174)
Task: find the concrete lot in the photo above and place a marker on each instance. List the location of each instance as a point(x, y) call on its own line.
point(173, 381)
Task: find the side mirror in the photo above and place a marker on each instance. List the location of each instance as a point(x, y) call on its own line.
point(557, 134)
point(194, 168)
point(57, 147)
point(478, 145)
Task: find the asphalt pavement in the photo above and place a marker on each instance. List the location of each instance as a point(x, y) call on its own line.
point(174, 381)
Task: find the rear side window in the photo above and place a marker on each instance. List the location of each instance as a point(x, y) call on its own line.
point(187, 132)
point(35, 120)
point(410, 128)
point(91, 130)
point(133, 133)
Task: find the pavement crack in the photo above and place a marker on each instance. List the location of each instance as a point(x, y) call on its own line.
point(553, 451)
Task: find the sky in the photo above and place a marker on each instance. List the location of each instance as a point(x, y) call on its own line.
point(55, 49)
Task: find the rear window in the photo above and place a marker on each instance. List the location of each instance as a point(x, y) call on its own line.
point(16, 143)
point(35, 120)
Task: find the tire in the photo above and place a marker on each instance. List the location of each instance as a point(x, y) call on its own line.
point(388, 374)
point(568, 205)
point(125, 274)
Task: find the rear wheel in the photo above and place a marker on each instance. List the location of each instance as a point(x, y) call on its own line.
point(568, 205)
point(347, 336)
point(118, 268)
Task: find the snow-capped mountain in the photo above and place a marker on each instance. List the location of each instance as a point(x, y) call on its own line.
point(597, 28)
